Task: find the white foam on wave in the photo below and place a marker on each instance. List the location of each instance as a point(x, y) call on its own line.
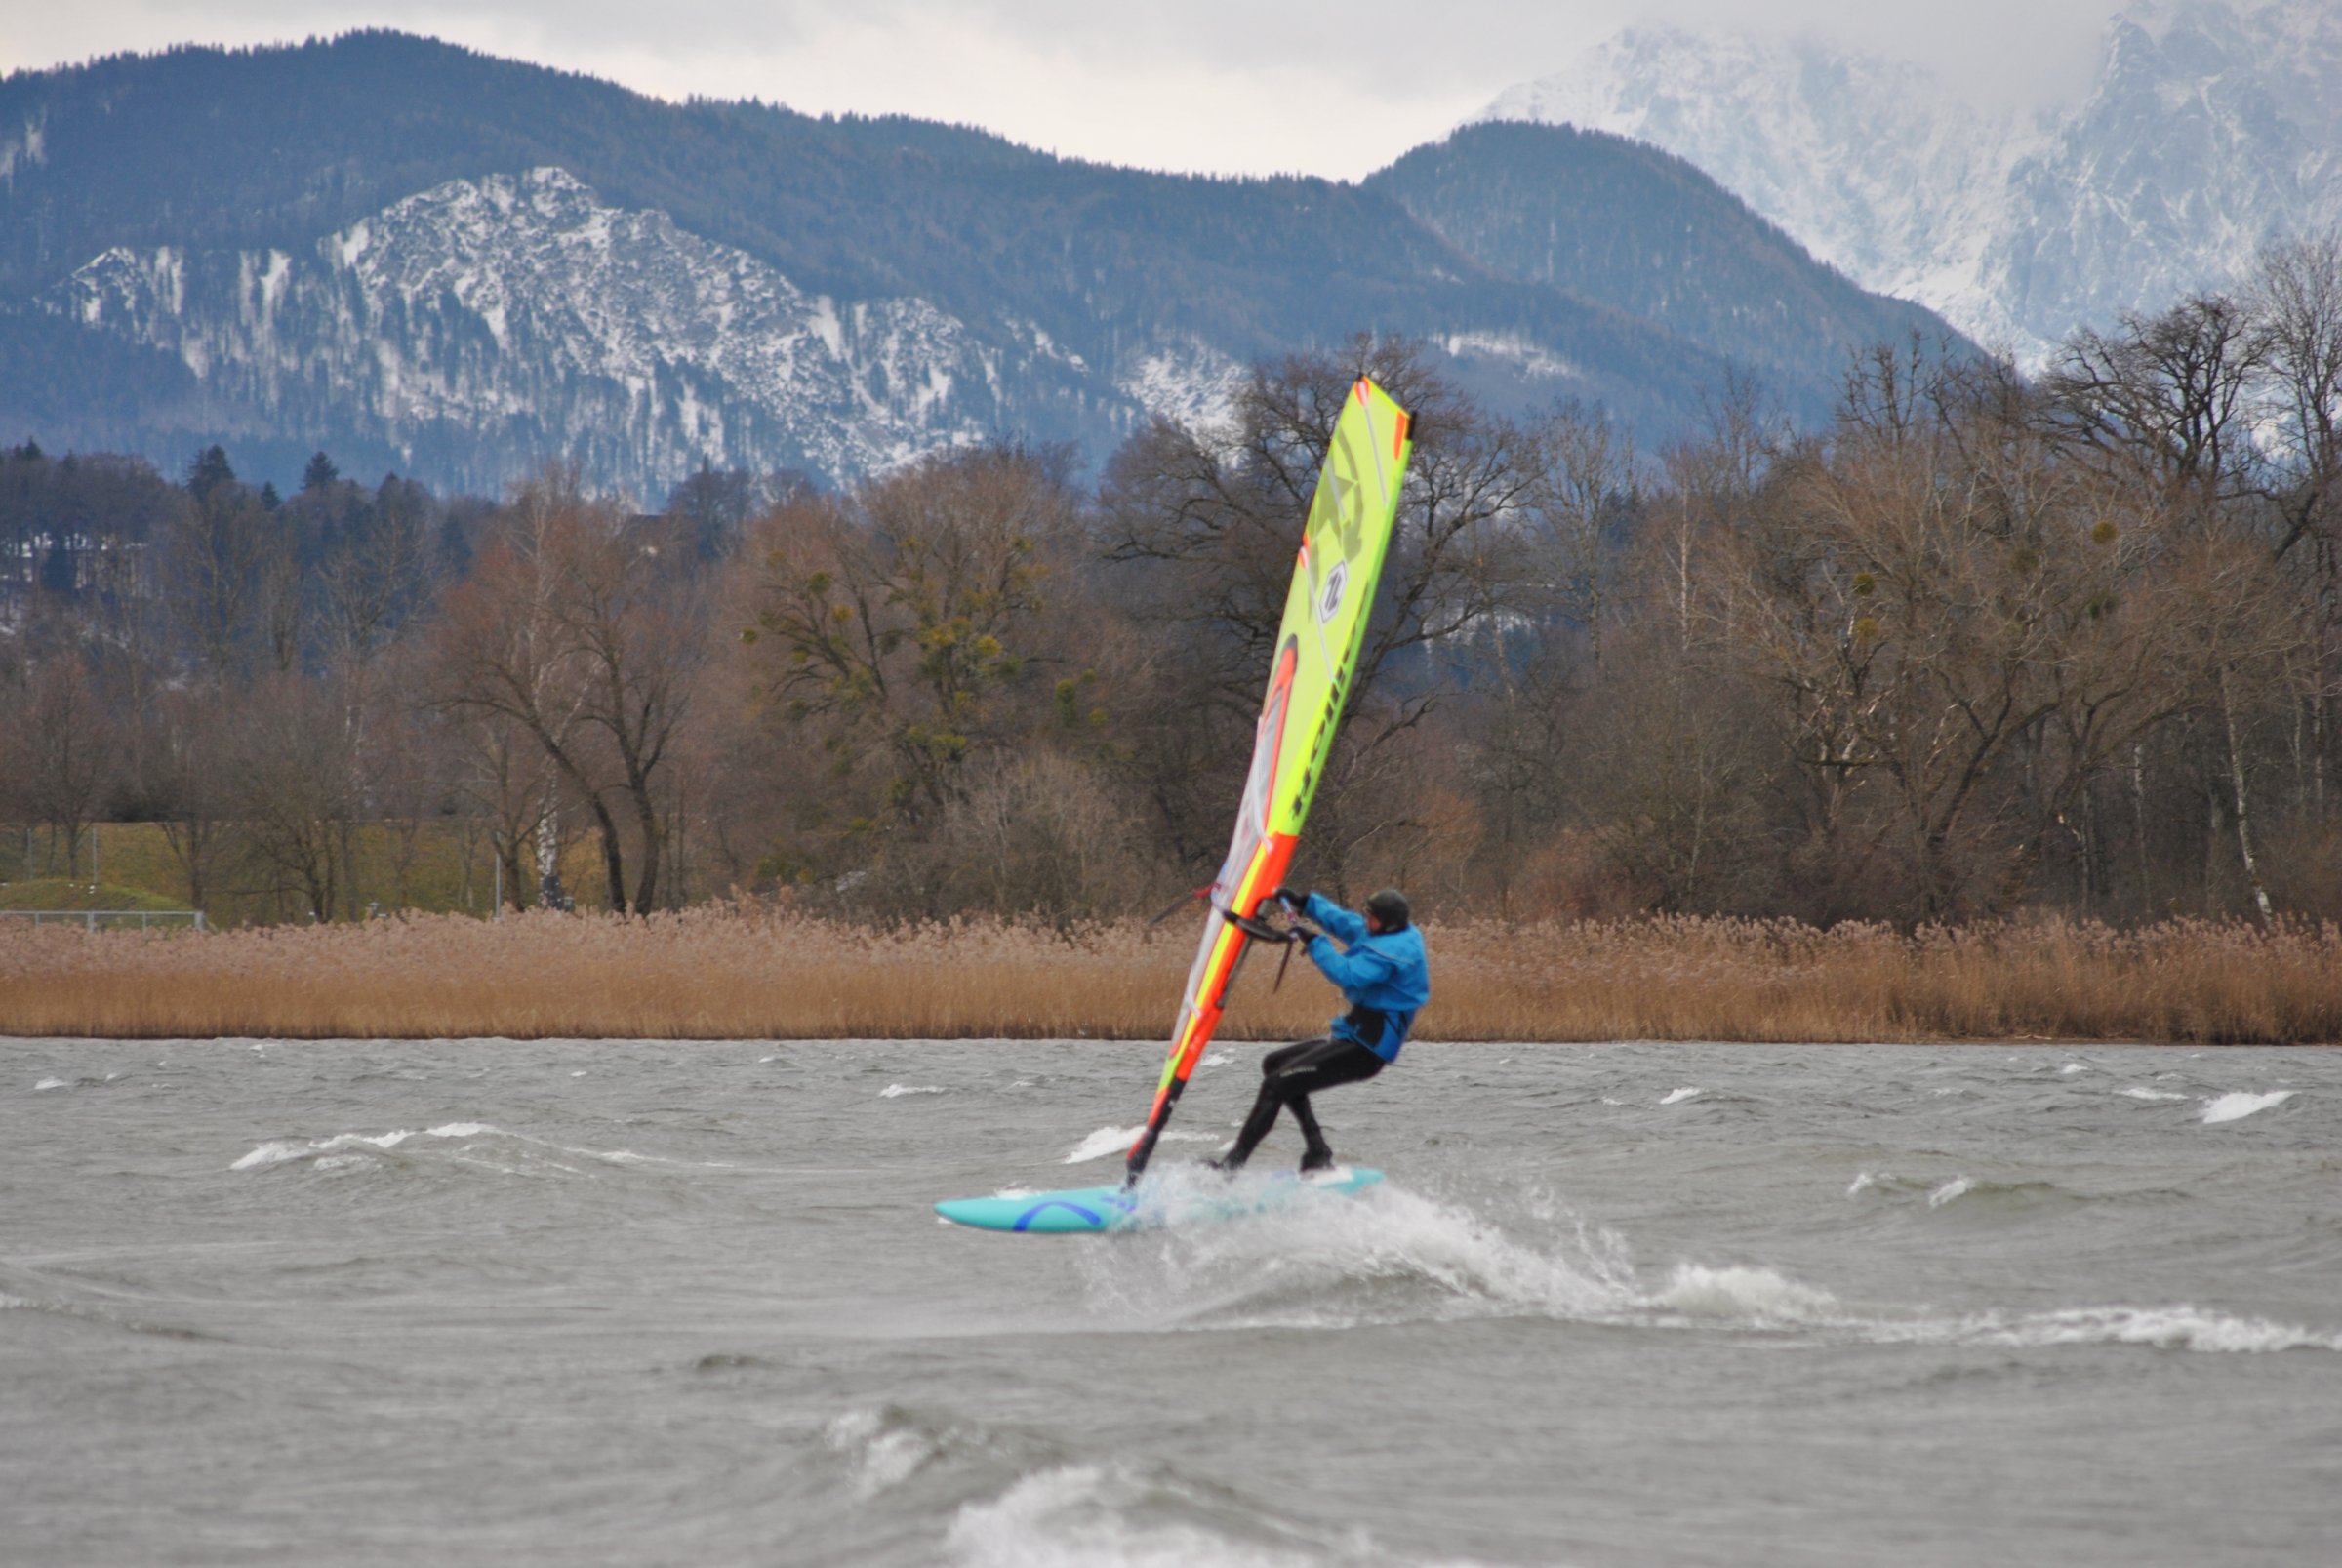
point(896, 1091)
point(1082, 1516)
point(2236, 1106)
point(1741, 1293)
point(1861, 1183)
point(294, 1148)
point(1676, 1095)
point(1957, 1186)
point(1116, 1140)
point(2070, 1069)
point(2169, 1328)
point(2152, 1093)
point(884, 1453)
point(50, 1083)
point(1383, 1255)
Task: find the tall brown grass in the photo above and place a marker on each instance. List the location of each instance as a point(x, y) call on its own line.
point(747, 973)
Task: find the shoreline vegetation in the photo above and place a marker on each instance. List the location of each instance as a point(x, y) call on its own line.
point(749, 972)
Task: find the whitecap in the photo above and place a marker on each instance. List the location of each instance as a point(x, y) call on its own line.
point(1077, 1515)
point(51, 1083)
point(1102, 1142)
point(2170, 1328)
point(886, 1453)
point(2071, 1067)
point(1218, 1059)
point(2236, 1106)
point(896, 1091)
point(1743, 1292)
point(1861, 1183)
point(1677, 1094)
point(280, 1151)
point(1956, 1188)
point(1115, 1140)
point(2152, 1093)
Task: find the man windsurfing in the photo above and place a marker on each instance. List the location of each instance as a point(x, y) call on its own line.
point(1377, 959)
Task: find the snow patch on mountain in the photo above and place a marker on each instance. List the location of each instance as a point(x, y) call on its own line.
point(1525, 356)
point(2213, 127)
point(1186, 381)
point(524, 304)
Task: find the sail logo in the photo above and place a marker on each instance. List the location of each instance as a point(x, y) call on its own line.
point(1330, 600)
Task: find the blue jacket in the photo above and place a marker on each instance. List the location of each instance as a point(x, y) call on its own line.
point(1386, 976)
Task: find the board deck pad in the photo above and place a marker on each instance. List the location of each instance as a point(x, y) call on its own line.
point(1156, 1201)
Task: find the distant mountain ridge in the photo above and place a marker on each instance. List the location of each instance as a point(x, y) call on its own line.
point(459, 266)
point(1575, 210)
point(2212, 126)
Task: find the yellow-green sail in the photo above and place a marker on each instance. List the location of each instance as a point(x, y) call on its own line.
point(1334, 582)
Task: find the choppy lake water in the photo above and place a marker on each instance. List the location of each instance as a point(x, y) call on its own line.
point(653, 1303)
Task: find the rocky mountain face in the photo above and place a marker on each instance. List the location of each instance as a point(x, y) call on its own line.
point(2211, 126)
point(459, 267)
point(520, 313)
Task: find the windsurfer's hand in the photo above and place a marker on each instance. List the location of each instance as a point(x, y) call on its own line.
point(1291, 898)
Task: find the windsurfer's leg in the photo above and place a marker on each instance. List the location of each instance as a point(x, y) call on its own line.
point(1276, 1069)
point(1316, 1150)
point(1343, 1062)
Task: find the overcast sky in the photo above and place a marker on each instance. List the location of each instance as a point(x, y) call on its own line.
point(1227, 86)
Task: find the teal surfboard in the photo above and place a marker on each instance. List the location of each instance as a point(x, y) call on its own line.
point(1154, 1203)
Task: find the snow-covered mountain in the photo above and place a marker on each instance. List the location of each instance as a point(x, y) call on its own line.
point(524, 311)
point(420, 259)
point(2211, 126)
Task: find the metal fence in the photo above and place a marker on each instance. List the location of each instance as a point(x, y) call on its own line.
point(114, 919)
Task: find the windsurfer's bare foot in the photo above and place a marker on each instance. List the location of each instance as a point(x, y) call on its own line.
point(1317, 1159)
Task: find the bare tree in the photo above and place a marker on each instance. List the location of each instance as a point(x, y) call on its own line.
point(2165, 398)
point(60, 750)
point(582, 626)
point(904, 631)
point(290, 768)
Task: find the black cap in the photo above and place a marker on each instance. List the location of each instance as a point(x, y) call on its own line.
point(1389, 906)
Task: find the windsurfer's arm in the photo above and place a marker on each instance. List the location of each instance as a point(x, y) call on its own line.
point(1359, 970)
point(1337, 921)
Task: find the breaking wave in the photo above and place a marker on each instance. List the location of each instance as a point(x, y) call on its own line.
point(1388, 1255)
point(1111, 1517)
point(2237, 1107)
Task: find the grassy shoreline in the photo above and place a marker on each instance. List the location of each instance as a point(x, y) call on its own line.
point(720, 973)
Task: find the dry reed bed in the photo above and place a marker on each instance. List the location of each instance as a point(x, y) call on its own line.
point(734, 974)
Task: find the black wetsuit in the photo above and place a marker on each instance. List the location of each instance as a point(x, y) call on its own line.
point(1289, 1075)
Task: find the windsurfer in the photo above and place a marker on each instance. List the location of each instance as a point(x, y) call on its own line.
point(1377, 959)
